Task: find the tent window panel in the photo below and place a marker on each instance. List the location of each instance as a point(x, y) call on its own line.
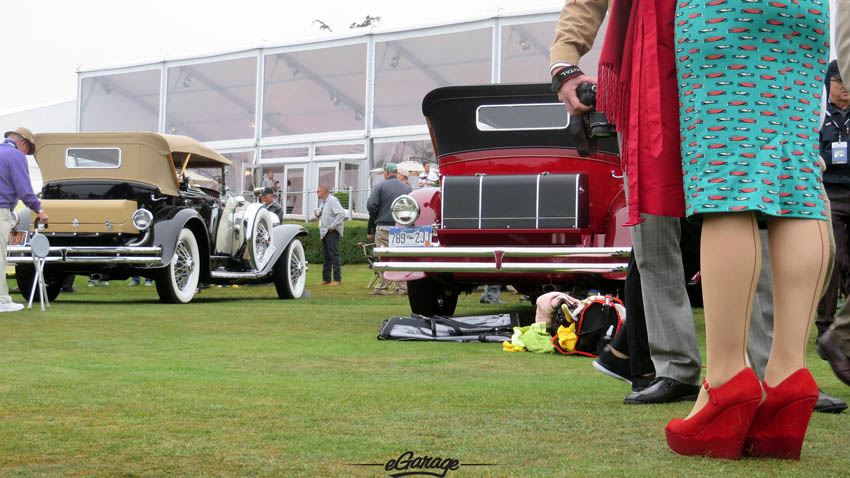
point(213, 101)
point(407, 69)
point(314, 91)
point(120, 102)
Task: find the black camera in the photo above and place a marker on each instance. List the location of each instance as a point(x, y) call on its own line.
point(591, 125)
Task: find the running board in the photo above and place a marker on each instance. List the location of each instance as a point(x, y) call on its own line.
point(229, 275)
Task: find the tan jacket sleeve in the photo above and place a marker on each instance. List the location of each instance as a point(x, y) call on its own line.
point(842, 40)
point(577, 27)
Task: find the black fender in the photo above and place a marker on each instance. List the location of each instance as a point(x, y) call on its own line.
point(167, 227)
point(282, 235)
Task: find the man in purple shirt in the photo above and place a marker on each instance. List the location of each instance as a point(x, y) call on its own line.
point(14, 184)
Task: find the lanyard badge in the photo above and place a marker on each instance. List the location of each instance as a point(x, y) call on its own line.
point(839, 152)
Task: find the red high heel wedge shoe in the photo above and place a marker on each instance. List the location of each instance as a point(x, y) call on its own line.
point(719, 429)
point(779, 426)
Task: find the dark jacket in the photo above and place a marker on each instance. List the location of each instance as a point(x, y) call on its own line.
point(382, 197)
point(836, 127)
point(275, 208)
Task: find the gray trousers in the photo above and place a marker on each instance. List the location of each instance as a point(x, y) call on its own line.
point(6, 226)
point(840, 328)
point(669, 319)
point(382, 239)
point(761, 320)
point(491, 292)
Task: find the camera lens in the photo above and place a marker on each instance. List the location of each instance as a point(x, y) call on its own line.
point(599, 125)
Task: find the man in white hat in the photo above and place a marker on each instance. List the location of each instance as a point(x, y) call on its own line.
point(14, 184)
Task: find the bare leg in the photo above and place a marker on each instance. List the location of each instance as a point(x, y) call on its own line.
point(730, 255)
point(799, 255)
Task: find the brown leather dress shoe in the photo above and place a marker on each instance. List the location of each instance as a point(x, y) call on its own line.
point(324, 282)
point(334, 282)
point(836, 357)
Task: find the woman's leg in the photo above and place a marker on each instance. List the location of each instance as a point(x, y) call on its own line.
point(730, 255)
point(799, 255)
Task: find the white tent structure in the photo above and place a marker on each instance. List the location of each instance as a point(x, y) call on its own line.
point(318, 112)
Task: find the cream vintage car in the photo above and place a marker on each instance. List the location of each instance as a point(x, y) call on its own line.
point(154, 206)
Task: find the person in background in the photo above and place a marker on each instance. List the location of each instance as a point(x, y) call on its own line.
point(14, 184)
point(93, 281)
point(491, 294)
point(331, 217)
point(270, 201)
point(403, 176)
point(834, 136)
point(834, 344)
point(270, 182)
point(370, 228)
point(428, 177)
point(68, 284)
point(380, 199)
point(136, 280)
point(655, 198)
point(290, 197)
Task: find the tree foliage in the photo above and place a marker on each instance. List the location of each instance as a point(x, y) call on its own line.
point(322, 25)
point(368, 21)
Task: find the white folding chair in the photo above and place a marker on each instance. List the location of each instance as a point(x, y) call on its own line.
point(367, 253)
point(40, 247)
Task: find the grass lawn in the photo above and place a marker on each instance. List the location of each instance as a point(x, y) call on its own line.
point(109, 382)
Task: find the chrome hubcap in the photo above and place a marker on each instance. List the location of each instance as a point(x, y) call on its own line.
point(297, 267)
point(261, 241)
point(183, 265)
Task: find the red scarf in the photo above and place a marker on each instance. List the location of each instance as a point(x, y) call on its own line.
point(638, 92)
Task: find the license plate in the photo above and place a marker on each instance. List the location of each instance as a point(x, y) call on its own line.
point(410, 236)
point(17, 238)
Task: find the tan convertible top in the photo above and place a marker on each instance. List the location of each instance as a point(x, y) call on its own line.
point(144, 157)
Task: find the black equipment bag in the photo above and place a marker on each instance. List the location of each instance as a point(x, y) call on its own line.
point(597, 319)
point(479, 328)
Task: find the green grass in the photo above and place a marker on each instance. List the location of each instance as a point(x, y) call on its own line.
point(109, 382)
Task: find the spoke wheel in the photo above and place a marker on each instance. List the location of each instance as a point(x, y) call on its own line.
point(177, 283)
point(261, 239)
point(290, 271)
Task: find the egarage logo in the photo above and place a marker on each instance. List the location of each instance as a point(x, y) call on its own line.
point(408, 464)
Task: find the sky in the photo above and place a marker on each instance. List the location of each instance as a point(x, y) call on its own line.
point(45, 42)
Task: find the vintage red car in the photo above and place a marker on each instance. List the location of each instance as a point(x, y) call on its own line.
point(515, 205)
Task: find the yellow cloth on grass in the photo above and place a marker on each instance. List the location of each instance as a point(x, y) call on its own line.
point(567, 337)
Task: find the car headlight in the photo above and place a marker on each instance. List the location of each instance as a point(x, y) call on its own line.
point(142, 219)
point(405, 210)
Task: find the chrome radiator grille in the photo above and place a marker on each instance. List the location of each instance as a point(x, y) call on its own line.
point(525, 201)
